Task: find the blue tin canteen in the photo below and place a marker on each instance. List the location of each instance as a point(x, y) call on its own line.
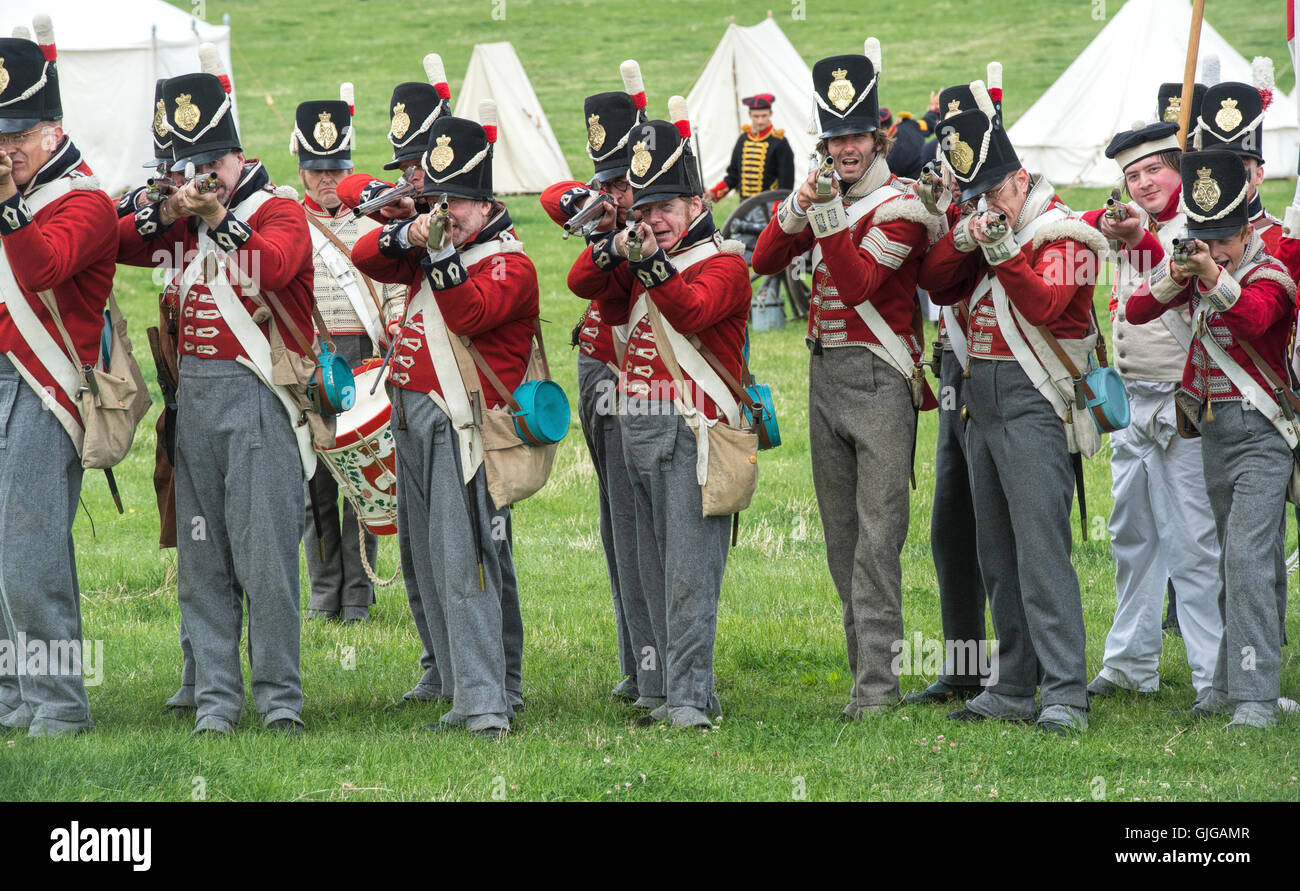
point(543, 416)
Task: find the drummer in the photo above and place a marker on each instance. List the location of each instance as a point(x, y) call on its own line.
point(352, 306)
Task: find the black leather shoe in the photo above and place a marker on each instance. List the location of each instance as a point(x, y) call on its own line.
point(489, 733)
point(965, 714)
point(940, 691)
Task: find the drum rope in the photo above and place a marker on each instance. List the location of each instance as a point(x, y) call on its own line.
point(365, 562)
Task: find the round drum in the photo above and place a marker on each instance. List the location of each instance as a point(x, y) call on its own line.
point(363, 460)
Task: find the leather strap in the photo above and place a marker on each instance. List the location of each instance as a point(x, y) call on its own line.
point(493, 379)
point(47, 297)
point(1269, 374)
point(1052, 342)
point(756, 410)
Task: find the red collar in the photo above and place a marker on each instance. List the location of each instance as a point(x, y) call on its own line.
point(752, 135)
point(1171, 209)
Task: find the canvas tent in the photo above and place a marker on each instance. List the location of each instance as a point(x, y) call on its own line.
point(754, 59)
point(110, 54)
point(527, 157)
point(1113, 84)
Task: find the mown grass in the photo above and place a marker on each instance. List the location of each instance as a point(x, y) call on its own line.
point(781, 668)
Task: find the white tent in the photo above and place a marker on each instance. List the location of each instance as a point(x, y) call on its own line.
point(527, 157)
point(110, 55)
point(753, 59)
point(1113, 83)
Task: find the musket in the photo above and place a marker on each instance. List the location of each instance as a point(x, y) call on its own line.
point(1116, 210)
point(439, 224)
point(634, 244)
point(404, 189)
point(585, 220)
point(207, 182)
point(1182, 249)
point(157, 188)
point(997, 226)
point(824, 174)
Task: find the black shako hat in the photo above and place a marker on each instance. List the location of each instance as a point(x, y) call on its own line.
point(1232, 118)
point(1214, 193)
point(1130, 146)
point(458, 161)
point(158, 131)
point(661, 163)
point(976, 147)
point(200, 119)
point(959, 97)
point(844, 88)
point(29, 80)
point(610, 119)
point(414, 108)
point(322, 135)
point(1169, 101)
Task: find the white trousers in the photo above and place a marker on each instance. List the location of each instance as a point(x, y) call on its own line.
point(1161, 527)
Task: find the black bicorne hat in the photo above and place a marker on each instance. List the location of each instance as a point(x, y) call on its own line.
point(976, 147)
point(1215, 186)
point(1129, 146)
point(322, 135)
point(1232, 118)
point(158, 131)
point(458, 161)
point(610, 119)
point(200, 119)
point(845, 92)
point(661, 163)
point(758, 102)
point(29, 81)
point(1169, 102)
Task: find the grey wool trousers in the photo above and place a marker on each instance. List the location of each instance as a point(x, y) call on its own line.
point(239, 497)
point(637, 645)
point(40, 601)
point(1247, 467)
point(682, 553)
point(476, 634)
point(861, 428)
point(952, 529)
point(339, 583)
point(1023, 483)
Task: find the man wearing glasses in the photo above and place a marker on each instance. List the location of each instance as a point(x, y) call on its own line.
point(58, 241)
point(610, 119)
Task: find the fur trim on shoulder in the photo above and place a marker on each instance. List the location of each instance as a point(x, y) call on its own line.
point(1273, 274)
point(732, 246)
point(512, 246)
point(1075, 230)
point(88, 183)
point(912, 209)
point(286, 192)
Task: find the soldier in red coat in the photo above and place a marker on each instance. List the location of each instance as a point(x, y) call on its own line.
point(242, 276)
point(611, 120)
point(1026, 269)
point(57, 241)
point(700, 290)
point(1243, 316)
point(868, 235)
point(470, 280)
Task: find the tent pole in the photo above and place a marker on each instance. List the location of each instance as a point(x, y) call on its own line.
point(1189, 71)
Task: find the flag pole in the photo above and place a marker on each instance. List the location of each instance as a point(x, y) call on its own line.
point(1189, 71)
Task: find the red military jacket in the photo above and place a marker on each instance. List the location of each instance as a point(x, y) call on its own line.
point(595, 338)
point(486, 290)
point(1049, 280)
point(66, 247)
point(272, 248)
point(1260, 310)
point(709, 299)
point(877, 259)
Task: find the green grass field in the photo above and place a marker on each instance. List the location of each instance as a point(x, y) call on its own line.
point(781, 668)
